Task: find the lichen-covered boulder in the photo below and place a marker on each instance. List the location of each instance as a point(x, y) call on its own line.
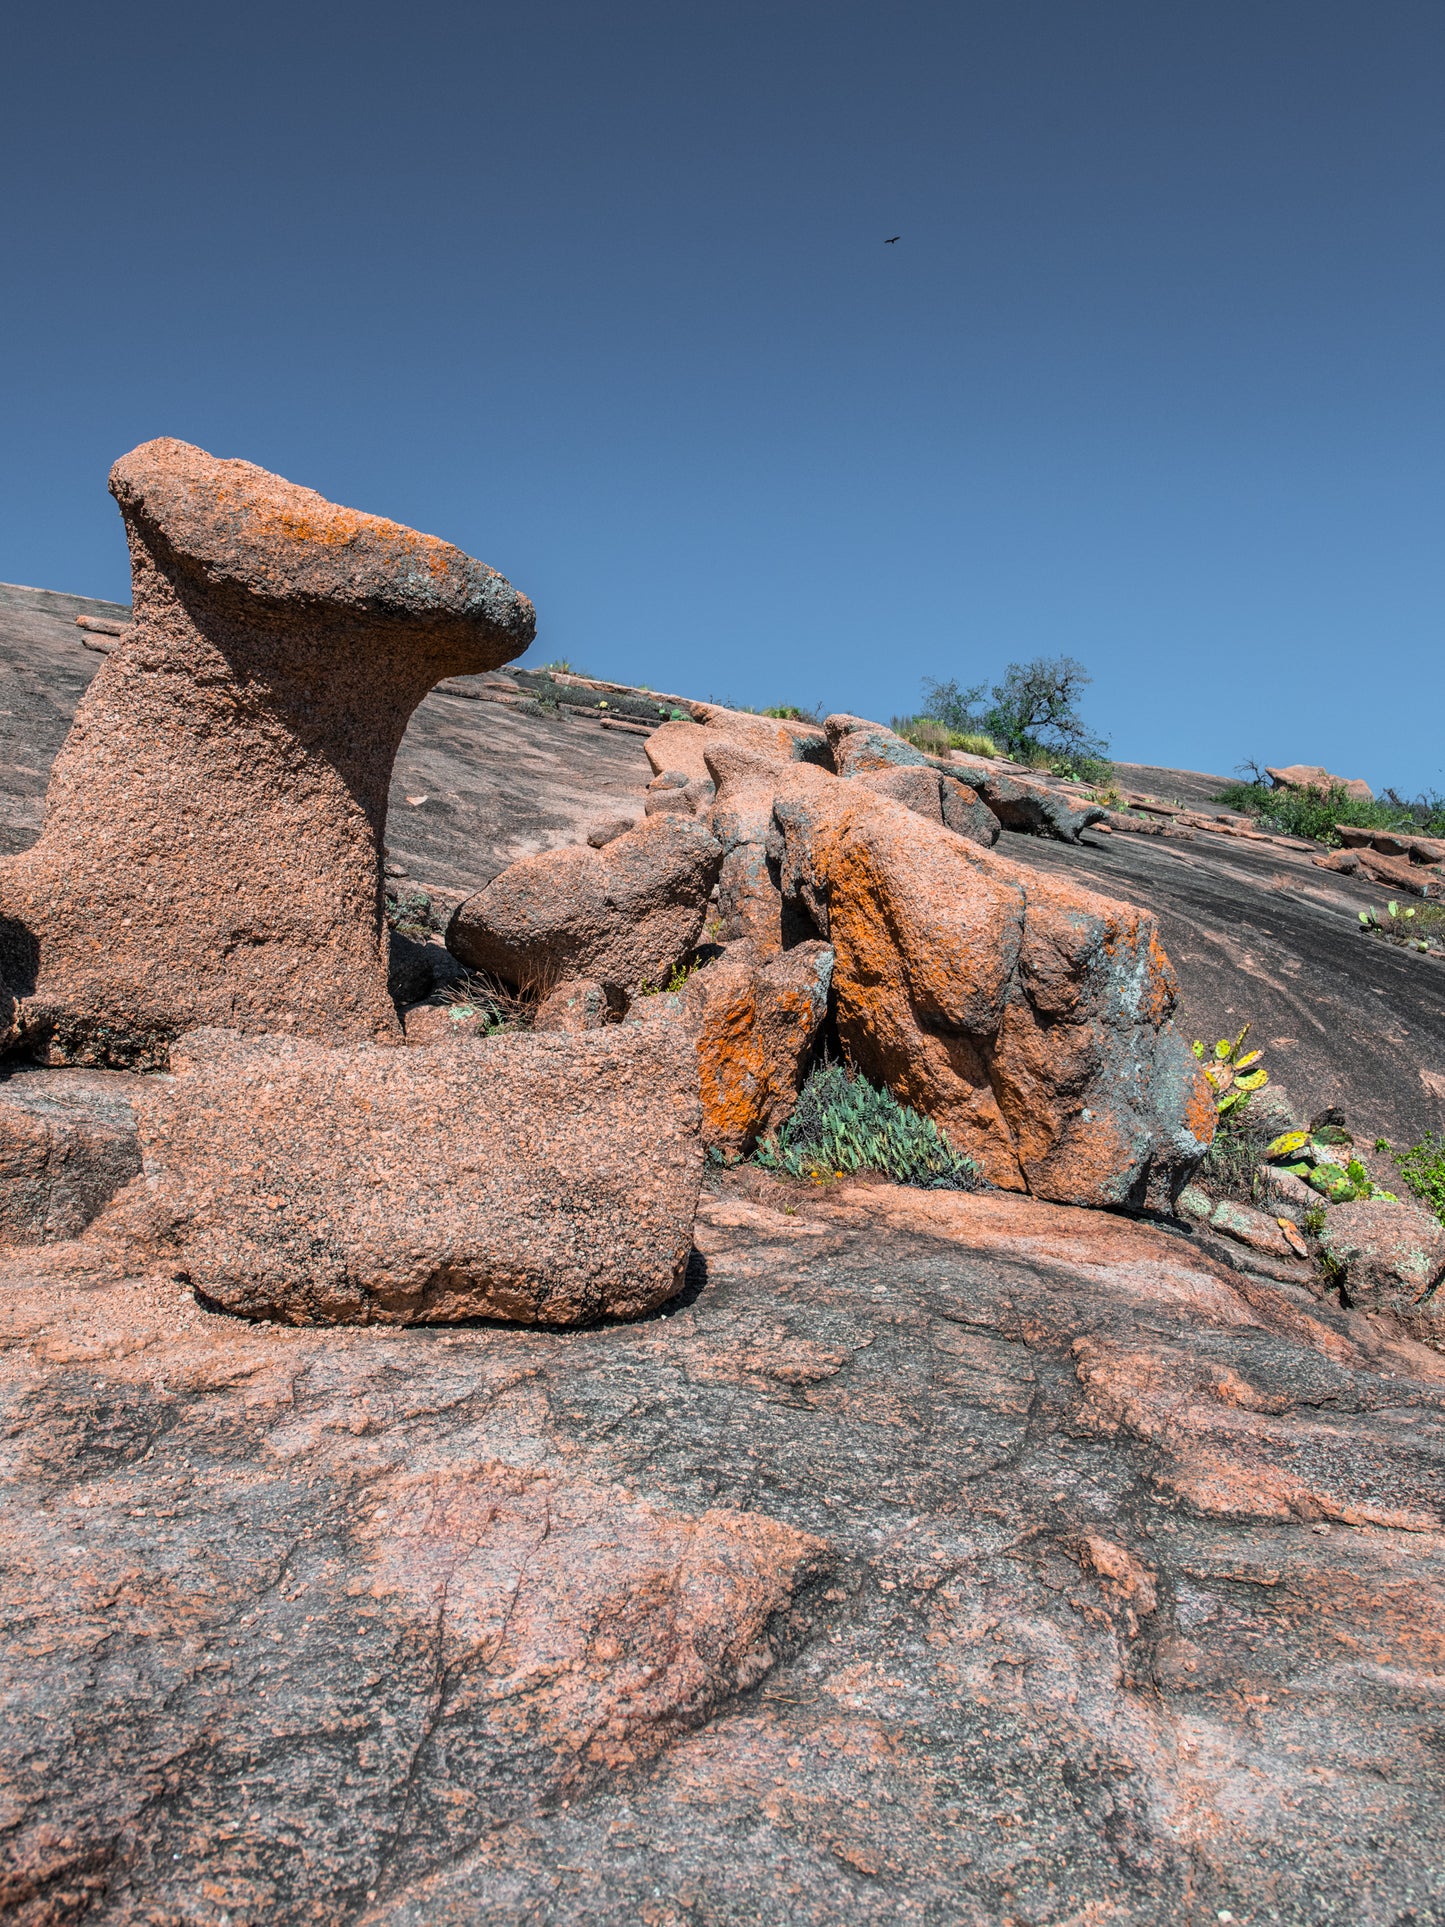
point(540, 1179)
point(625, 914)
point(211, 847)
point(1028, 1017)
point(754, 1020)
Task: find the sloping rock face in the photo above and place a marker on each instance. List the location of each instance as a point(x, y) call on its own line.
point(754, 1020)
point(210, 852)
point(942, 1559)
point(622, 915)
point(1029, 1019)
point(540, 1179)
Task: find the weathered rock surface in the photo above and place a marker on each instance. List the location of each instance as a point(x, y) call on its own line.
point(749, 901)
point(928, 793)
point(1030, 1020)
point(541, 1179)
point(624, 914)
point(683, 746)
point(940, 1559)
point(211, 846)
point(67, 1144)
point(754, 1019)
point(1392, 1259)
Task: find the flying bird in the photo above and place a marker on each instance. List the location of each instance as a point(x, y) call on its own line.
point(891, 239)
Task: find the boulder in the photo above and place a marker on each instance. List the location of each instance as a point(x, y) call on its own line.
point(750, 903)
point(1029, 1018)
point(861, 747)
point(624, 914)
point(446, 1023)
point(1039, 809)
point(754, 1020)
point(1310, 776)
point(931, 794)
point(1248, 1226)
point(541, 1180)
point(67, 1144)
point(211, 848)
point(580, 1004)
point(682, 747)
point(609, 829)
point(1391, 1257)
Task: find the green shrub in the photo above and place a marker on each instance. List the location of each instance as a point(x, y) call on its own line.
point(791, 713)
point(1423, 1169)
point(843, 1123)
point(1315, 812)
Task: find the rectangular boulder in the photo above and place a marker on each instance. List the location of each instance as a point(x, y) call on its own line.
point(538, 1179)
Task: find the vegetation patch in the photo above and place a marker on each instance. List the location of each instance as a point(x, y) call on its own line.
point(1418, 927)
point(844, 1124)
point(411, 913)
point(1423, 1169)
point(1315, 813)
point(1032, 716)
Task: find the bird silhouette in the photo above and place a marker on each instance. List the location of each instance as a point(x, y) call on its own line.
point(891, 239)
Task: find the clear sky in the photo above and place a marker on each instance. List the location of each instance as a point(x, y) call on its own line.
point(1154, 375)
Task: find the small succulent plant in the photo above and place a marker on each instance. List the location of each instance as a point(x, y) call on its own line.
point(1234, 1072)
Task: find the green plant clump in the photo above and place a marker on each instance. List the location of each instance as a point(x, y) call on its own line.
point(1418, 927)
point(843, 1123)
point(1314, 813)
point(937, 739)
point(1232, 1075)
point(1423, 1169)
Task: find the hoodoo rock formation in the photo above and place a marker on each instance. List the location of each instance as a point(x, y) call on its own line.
point(211, 846)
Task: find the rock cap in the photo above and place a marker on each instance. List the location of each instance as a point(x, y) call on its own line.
point(235, 525)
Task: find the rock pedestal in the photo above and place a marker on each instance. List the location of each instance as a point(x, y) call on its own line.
point(210, 852)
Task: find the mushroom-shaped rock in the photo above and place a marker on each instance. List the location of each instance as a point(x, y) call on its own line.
point(623, 915)
point(213, 826)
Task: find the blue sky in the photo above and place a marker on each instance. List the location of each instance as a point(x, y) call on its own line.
point(1153, 377)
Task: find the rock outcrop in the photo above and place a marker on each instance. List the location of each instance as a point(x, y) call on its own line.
point(1311, 776)
point(210, 853)
point(931, 794)
point(542, 1179)
point(624, 914)
point(1027, 1017)
point(1024, 803)
point(754, 1020)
